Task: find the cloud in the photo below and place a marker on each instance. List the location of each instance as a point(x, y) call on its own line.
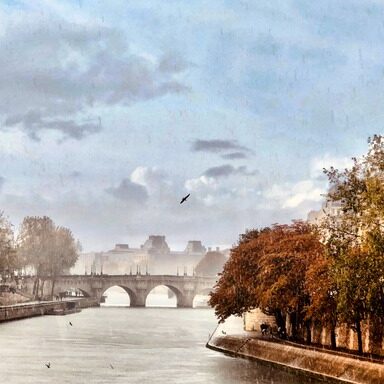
point(234, 156)
point(228, 170)
point(327, 161)
point(216, 146)
point(54, 73)
point(32, 122)
point(129, 191)
point(172, 63)
point(292, 195)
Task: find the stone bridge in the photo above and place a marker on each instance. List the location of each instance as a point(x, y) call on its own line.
point(137, 286)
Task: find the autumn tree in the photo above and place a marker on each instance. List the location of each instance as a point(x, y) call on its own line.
point(267, 269)
point(322, 290)
point(287, 253)
point(234, 293)
point(355, 238)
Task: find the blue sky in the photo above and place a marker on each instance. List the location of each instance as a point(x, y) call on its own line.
point(112, 111)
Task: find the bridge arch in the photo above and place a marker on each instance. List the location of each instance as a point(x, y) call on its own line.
point(130, 292)
point(163, 302)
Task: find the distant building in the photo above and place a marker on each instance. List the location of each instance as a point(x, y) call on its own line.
point(211, 264)
point(195, 247)
point(154, 257)
point(332, 208)
point(156, 245)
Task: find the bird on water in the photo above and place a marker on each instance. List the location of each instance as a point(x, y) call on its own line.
point(184, 198)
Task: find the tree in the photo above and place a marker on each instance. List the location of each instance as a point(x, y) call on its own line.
point(64, 253)
point(323, 294)
point(35, 245)
point(287, 253)
point(267, 269)
point(50, 250)
point(355, 238)
point(234, 293)
point(8, 257)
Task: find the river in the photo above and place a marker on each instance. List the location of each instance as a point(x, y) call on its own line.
point(124, 345)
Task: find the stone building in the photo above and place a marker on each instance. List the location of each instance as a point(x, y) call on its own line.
point(154, 256)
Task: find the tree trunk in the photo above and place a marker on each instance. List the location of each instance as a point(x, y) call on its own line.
point(42, 289)
point(308, 332)
point(293, 317)
point(34, 287)
point(375, 335)
point(53, 287)
point(359, 337)
point(37, 287)
point(280, 321)
point(333, 337)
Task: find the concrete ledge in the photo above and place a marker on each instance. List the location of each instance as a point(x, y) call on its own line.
point(325, 366)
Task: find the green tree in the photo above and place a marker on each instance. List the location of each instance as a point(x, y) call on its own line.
point(355, 238)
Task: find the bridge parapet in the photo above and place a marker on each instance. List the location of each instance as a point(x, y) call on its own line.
point(137, 286)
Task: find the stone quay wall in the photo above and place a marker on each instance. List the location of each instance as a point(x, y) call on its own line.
point(330, 367)
point(21, 311)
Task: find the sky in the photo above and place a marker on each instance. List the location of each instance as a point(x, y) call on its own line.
point(111, 112)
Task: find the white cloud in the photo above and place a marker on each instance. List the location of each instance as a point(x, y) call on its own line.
point(150, 177)
point(327, 161)
point(292, 195)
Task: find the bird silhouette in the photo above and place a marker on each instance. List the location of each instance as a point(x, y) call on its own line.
point(224, 333)
point(48, 365)
point(184, 198)
point(111, 366)
point(70, 324)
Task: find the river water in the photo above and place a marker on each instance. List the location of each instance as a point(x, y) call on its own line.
point(124, 345)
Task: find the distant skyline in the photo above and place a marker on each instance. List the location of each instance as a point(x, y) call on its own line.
point(111, 112)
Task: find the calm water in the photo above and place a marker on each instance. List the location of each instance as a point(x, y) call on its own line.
point(146, 345)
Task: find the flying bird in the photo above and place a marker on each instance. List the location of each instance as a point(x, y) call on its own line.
point(184, 198)
point(70, 324)
point(48, 365)
point(111, 366)
point(223, 332)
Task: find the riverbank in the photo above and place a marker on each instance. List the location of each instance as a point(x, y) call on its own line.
point(36, 308)
point(328, 366)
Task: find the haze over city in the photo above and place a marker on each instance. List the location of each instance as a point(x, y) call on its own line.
point(113, 111)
